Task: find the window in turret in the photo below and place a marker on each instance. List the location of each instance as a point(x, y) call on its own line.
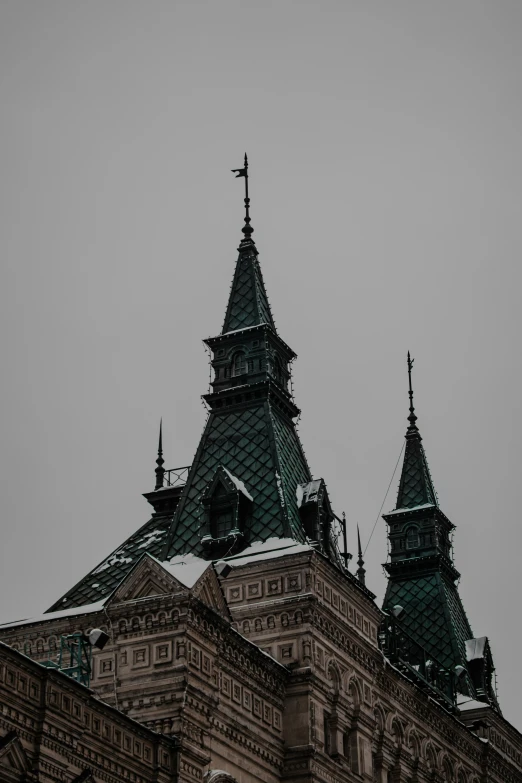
point(412, 537)
point(239, 365)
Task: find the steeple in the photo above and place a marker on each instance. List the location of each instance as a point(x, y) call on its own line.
point(422, 577)
point(250, 467)
point(248, 303)
point(415, 487)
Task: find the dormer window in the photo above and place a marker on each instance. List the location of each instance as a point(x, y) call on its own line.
point(412, 537)
point(239, 364)
point(227, 507)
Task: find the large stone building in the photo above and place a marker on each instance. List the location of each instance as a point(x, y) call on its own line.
point(236, 627)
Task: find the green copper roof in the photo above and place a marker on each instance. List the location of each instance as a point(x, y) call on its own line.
point(422, 578)
point(259, 448)
point(248, 303)
point(415, 486)
point(102, 580)
point(433, 615)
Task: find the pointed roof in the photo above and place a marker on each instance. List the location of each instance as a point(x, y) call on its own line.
point(248, 303)
point(415, 486)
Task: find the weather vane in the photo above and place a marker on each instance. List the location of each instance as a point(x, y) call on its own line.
point(412, 417)
point(247, 228)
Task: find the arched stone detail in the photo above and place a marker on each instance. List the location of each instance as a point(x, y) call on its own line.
point(354, 691)
point(431, 756)
point(334, 674)
point(218, 776)
point(447, 767)
point(380, 717)
point(413, 742)
point(397, 731)
point(462, 776)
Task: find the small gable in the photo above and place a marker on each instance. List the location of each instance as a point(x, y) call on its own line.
point(317, 517)
point(182, 574)
point(12, 753)
point(227, 506)
point(208, 590)
point(147, 578)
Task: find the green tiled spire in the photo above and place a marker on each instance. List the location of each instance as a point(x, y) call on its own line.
point(248, 303)
point(250, 431)
point(422, 577)
point(415, 487)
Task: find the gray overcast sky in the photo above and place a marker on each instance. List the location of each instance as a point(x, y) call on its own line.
point(384, 142)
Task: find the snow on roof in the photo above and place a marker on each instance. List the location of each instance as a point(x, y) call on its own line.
point(413, 508)
point(244, 329)
point(117, 558)
point(187, 569)
point(307, 493)
point(71, 612)
point(267, 550)
point(151, 538)
point(466, 703)
point(475, 648)
point(239, 484)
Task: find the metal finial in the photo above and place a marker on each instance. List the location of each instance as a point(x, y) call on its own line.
point(247, 228)
point(160, 472)
point(412, 429)
point(361, 571)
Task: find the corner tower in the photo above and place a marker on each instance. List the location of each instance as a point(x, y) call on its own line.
point(422, 587)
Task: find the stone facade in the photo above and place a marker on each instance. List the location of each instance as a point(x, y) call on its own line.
point(273, 673)
point(54, 729)
point(241, 648)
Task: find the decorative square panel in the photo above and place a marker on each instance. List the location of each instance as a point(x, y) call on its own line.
point(235, 594)
point(273, 586)
point(255, 590)
point(293, 582)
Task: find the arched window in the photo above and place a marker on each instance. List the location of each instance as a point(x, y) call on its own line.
point(239, 364)
point(412, 537)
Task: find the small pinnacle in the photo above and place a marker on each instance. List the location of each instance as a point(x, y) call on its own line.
point(361, 571)
point(160, 472)
point(413, 430)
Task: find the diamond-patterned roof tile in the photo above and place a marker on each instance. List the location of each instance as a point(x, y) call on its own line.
point(415, 486)
point(248, 303)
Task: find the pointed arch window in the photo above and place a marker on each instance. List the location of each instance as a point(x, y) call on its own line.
point(239, 364)
point(412, 537)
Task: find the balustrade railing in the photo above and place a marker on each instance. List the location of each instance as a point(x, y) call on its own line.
point(175, 477)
